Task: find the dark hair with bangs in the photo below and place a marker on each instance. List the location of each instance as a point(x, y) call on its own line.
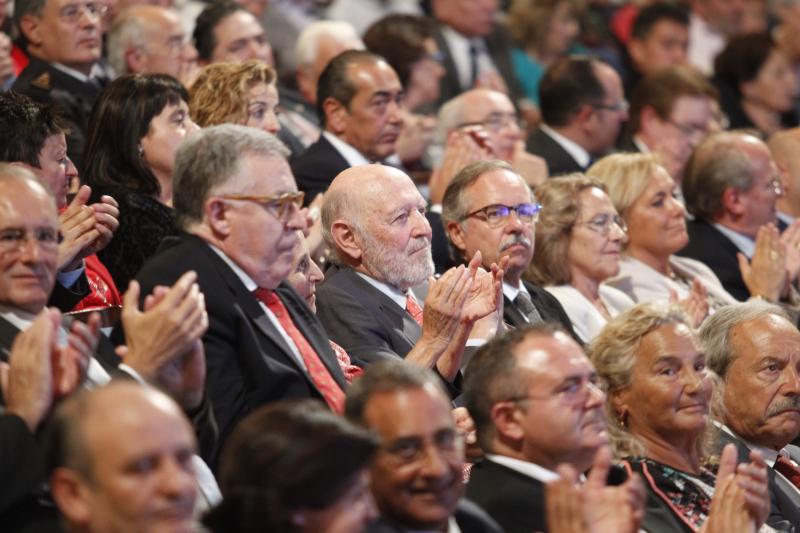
point(27, 126)
point(120, 119)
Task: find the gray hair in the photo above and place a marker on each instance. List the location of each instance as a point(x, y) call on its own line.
point(9, 172)
point(307, 45)
point(340, 203)
point(390, 375)
point(450, 116)
point(716, 164)
point(128, 31)
point(210, 158)
point(715, 334)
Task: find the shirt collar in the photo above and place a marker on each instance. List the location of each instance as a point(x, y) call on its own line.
point(575, 150)
point(77, 74)
point(770, 455)
point(396, 295)
point(745, 244)
point(511, 292)
point(640, 144)
point(786, 218)
point(249, 283)
point(524, 467)
point(353, 157)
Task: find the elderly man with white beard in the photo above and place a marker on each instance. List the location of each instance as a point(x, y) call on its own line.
point(373, 220)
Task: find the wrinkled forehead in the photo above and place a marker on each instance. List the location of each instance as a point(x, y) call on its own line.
point(389, 192)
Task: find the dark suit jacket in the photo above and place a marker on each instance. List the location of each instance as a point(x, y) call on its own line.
point(469, 517)
point(550, 309)
point(498, 45)
point(558, 160)
point(708, 245)
point(785, 500)
point(363, 320)
point(440, 244)
point(73, 97)
point(514, 500)
point(315, 169)
point(248, 362)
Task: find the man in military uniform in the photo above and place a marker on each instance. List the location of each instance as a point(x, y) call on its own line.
point(63, 40)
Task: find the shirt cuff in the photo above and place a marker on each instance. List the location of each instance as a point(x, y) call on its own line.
point(132, 373)
point(67, 279)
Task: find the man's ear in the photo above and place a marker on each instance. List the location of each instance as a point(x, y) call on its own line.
point(732, 201)
point(346, 240)
point(456, 235)
point(335, 115)
point(649, 120)
point(506, 418)
point(135, 60)
point(636, 52)
point(72, 495)
point(31, 28)
point(584, 114)
point(216, 216)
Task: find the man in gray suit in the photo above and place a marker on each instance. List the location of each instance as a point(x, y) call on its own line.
point(755, 349)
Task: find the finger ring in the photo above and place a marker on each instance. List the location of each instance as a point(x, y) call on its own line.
point(313, 213)
point(774, 255)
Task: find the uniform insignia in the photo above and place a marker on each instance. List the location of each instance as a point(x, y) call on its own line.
point(42, 81)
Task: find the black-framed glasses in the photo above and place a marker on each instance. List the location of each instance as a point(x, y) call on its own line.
point(280, 205)
point(497, 215)
point(602, 224)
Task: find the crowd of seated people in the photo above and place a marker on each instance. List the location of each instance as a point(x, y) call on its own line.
point(383, 266)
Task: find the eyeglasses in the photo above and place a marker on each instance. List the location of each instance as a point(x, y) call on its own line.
point(775, 185)
point(620, 107)
point(691, 130)
point(572, 392)
point(446, 443)
point(72, 13)
point(12, 240)
point(436, 57)
point(497, 122)
point(279, 206)
point(602, 224)
point(497, 215)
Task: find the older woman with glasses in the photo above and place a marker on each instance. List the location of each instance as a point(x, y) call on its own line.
point(579, 238)
point(658, 402)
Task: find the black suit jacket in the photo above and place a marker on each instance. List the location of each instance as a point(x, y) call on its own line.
point(784, 498)
point(73, 97)
point(514, 500)
point(550, 309)
point(469, 517)
point(498, 45)
point(369, 325)
point(248, 362)
point(558, 160)
point(315, 168)
point(708, 245)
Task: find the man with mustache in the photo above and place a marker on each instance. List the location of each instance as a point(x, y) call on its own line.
point(488, 208)
point(755, 349)
point(373, 220)
point(415, 475)
point(359, 104)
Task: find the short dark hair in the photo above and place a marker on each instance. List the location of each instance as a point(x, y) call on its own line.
point(400, 39)
point(26, 7)
point(386, 376)
point(119, 120)
point(284, 457)
point(335, 82)
point(568, 85)
point(651, 15)
point(492, 377)
point(742, 58)
point(64, 439)
point(26, 126)
point(207, 20)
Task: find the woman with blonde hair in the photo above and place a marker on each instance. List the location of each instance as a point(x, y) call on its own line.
point(658, 403)
point(579, 237)
point(236, 93)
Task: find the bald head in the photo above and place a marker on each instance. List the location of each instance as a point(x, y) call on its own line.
point(374, 220)
point(785, 148)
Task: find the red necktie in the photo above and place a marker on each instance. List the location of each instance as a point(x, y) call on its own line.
point(319, 374)
point(789, 470)
point(414, 309)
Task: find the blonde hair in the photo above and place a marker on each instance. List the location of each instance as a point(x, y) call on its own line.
point(561, 206)
point(613, 353)
point(529, 20)
point(626, 176)
point(220, 93)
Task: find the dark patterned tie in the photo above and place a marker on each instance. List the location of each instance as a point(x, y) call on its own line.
point(526, 307)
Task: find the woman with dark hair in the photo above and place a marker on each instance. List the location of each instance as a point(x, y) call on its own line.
point(134, 131)
point(756, 83)
point(294, 466)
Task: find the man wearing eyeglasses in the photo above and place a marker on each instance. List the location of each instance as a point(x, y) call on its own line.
point(63, 39)
point(489, 208)
point(583, 108)
point(536, 404)
point(416, 473)
point(238, 206)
